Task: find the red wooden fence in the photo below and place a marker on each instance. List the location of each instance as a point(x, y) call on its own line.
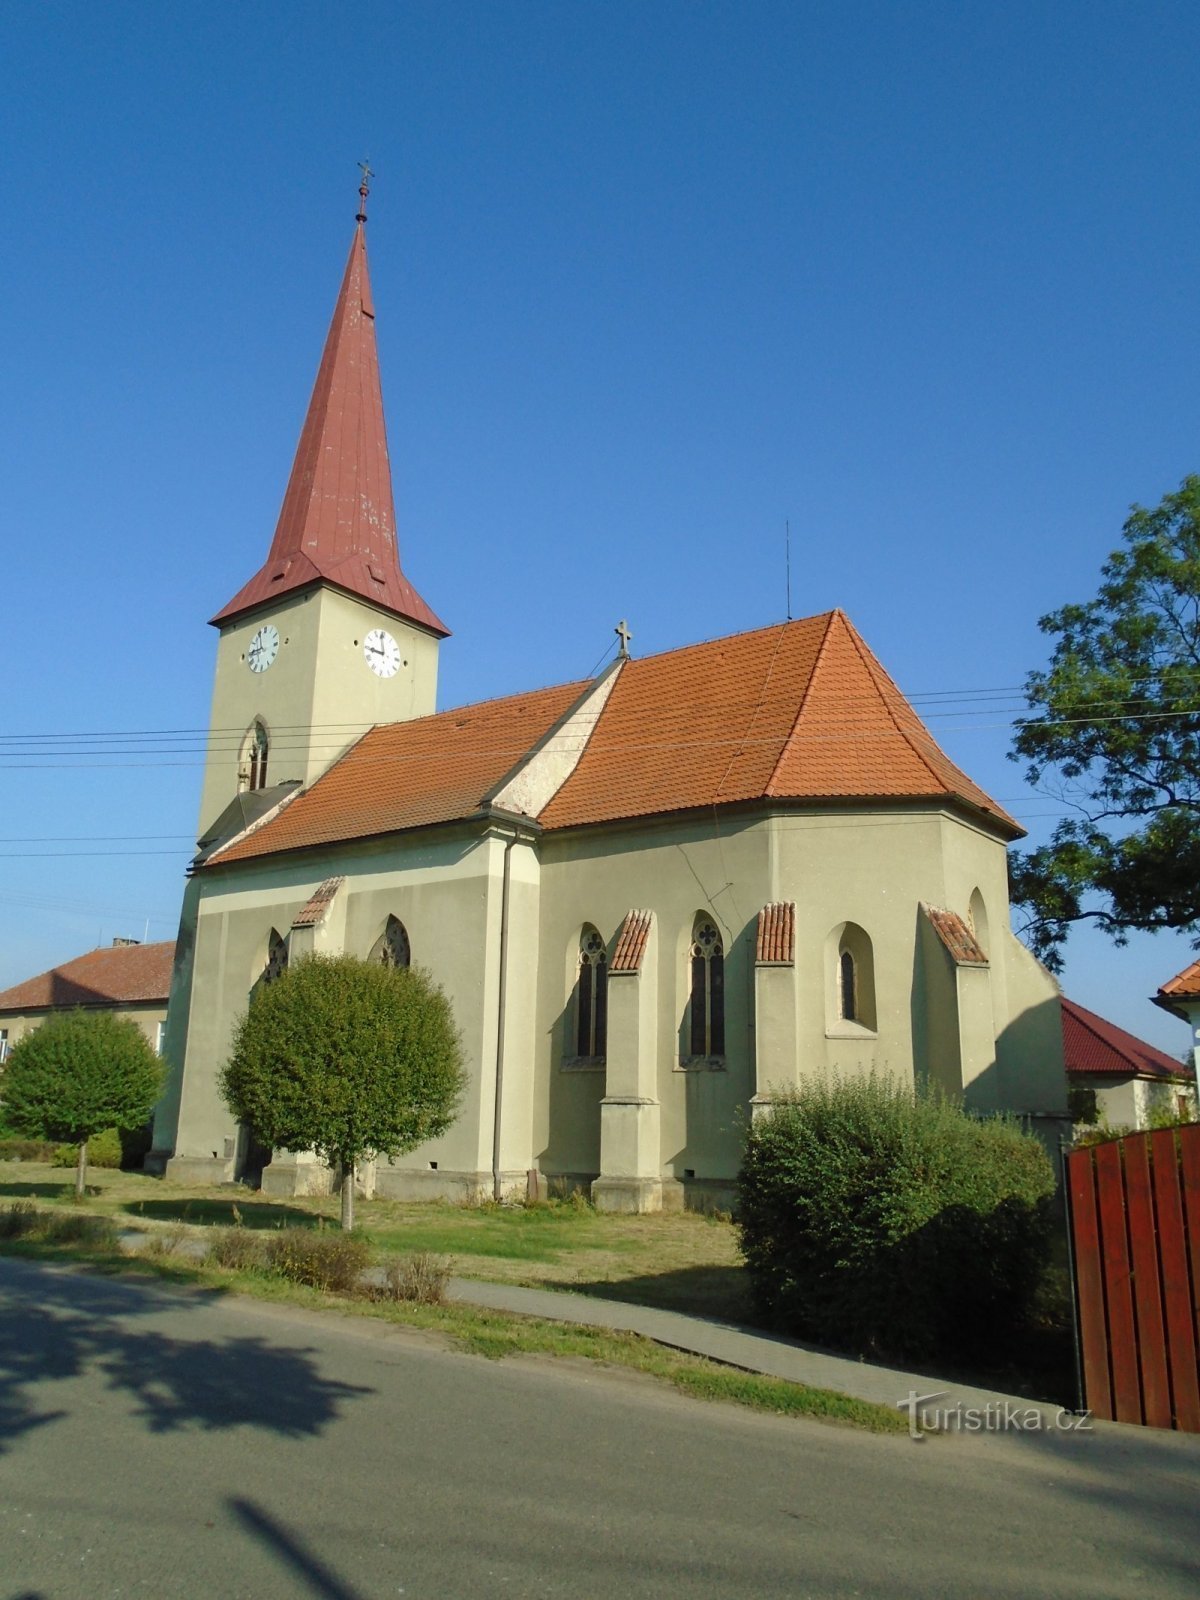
point(1135, 1228)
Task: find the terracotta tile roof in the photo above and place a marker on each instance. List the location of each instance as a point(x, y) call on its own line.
point(318, 903)
point(798, 711)
point(631, 942)
point(412, 774)
point(113, 975)
point(338, 522)
point(957, 937)
point(1184, 985)
point(1092, 1045)
point(776, 942)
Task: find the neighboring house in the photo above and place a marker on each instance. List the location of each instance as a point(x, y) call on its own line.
point(654, 898)
point(1180, 996)
point(126, 978)
point(1115, 1077)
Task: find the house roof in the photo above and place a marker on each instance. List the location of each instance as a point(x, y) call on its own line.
point(126, 974)
point(800, 711)
point(1092, 1045)
point(338, 521)
point(411, 774)
point(1184, 985)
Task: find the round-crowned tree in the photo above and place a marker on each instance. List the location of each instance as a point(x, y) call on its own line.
point(79, 1074)
point(347, 1058)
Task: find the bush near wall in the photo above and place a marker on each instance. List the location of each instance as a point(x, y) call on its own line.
point(892, 1223)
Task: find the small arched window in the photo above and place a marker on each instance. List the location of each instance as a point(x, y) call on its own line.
point(392, 949)
point(977, 912)
point(591, 997)
point(252, 768)
point(707, 990)
point(847, 987)
point(277, 957)
point(850, 980)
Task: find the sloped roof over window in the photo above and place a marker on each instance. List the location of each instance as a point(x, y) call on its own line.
point(957, 937)
point(801, 711)
point(312, 912)
point(631, 942)
point(776, 941)
point(1093, 1046)
point(113, 975)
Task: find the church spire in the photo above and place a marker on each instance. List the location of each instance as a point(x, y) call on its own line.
point(338, 522)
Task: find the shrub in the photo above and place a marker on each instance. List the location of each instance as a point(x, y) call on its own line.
point(421, 1278)
point(893, 1223)
point(104, 1149)
point(323, 1260)
point(236, 1248)
point(18, 1220)
point(30, 1150)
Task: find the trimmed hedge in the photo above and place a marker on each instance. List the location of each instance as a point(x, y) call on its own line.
point(892, 1223)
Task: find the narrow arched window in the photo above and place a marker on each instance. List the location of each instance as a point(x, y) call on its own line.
point(707, 990)
point(392, 949)
point(591, 997)
point(847, 987)
point(252, 769)
point(277, 957)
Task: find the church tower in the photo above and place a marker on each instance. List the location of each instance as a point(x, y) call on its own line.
point(328, 636)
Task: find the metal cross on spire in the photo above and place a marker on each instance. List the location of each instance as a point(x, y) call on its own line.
point(364, 190)
point(622, 632)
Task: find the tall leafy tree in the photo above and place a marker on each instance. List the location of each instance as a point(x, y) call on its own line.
point(348, 1058)
point(1115, 732)
point(78, 1074)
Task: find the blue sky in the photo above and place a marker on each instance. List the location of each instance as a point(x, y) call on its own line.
point(652, 279)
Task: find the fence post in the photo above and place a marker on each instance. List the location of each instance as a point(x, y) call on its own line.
point(1064, 1150)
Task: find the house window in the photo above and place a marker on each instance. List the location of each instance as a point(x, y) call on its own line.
point(160, 1033)
point(277, 958)
point(591, 997)
point(392, 949)
point(847, 988)
point(252, 769)
point(707, 990)
point(3, 1045)
point(849, 982)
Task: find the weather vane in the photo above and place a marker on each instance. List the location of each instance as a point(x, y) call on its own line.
point(364, 189)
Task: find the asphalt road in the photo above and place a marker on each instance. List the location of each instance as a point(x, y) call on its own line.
point(155, 1442)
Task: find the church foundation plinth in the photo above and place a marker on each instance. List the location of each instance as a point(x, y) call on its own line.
point(628, 1195)
point(199, 1171)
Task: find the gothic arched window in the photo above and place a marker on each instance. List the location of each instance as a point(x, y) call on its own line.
point(707, 990)
point(847, 987)
point(277, 957)
point(591, 997)
point(392, 949)
point(252, 769)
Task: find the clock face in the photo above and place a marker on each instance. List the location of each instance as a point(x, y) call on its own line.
point(381, 653)
point(264, 647)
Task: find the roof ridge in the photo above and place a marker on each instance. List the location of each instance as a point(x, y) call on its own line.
point(753, 718)
point(737, 633)
point(874, 667)
point(812, 678)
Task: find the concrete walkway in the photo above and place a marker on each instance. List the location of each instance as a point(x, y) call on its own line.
point(733, 1345)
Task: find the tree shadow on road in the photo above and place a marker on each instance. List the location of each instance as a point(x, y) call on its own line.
point(59, 1326)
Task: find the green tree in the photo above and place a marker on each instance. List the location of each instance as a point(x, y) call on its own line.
point(348, 1058)
point(1116, 734)
point(78, 1074)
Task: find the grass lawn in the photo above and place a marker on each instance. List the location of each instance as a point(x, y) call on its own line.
point(680, 1262)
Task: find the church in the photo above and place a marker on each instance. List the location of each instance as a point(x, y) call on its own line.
point(655, 898)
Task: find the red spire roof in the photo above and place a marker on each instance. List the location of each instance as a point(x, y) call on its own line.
point(338, 523)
